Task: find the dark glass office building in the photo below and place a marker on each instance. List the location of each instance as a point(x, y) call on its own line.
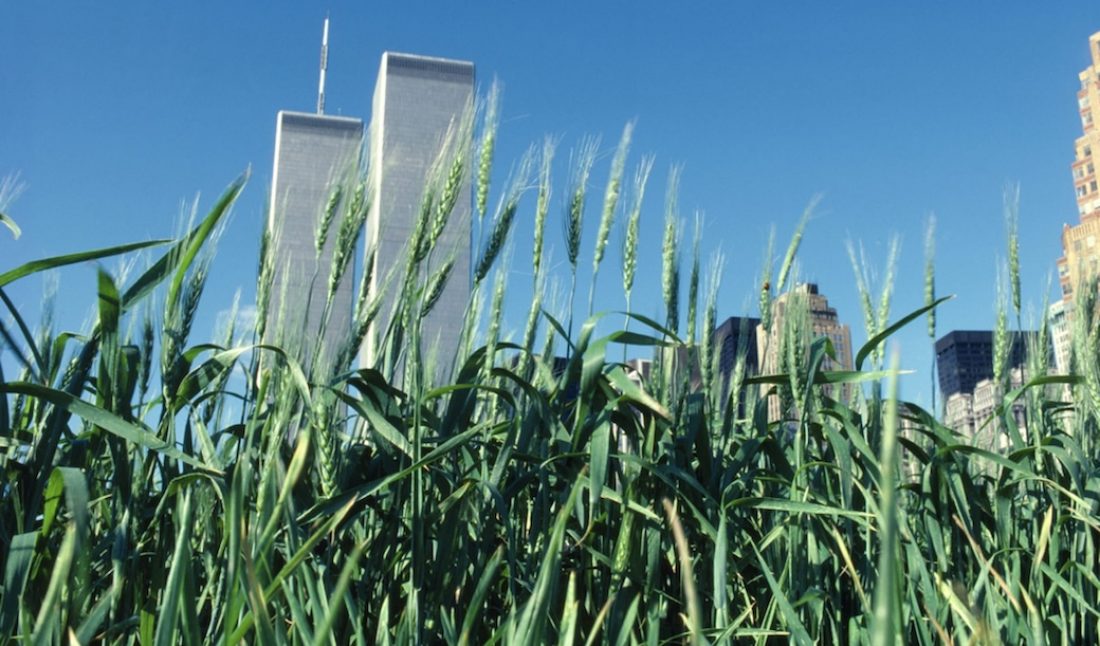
point(735, 335)
point(965, 357)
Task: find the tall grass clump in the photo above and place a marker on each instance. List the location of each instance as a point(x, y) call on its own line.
point(159, 488)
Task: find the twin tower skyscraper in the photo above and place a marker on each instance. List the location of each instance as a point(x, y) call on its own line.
point(419, 109)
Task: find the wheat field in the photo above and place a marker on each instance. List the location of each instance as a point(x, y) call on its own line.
point(160, 489)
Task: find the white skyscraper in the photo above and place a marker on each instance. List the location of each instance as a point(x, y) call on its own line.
point(316, 168)
point(312, 151)
point(419, 107)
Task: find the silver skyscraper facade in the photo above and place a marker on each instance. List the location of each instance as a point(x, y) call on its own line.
point(313, 153)
point(419, 110)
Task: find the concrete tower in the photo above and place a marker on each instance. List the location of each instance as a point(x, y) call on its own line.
point(418, 112)
point(313, 154)
point(1080, 247)
point(821, 320)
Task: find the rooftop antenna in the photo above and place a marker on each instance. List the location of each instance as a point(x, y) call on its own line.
point(324, 66)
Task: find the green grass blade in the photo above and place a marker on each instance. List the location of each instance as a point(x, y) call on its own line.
point(181, 558)
point(292, 564)
point(45, 264)
point(798, 632)
point(11, 225)
point(632, 392)
point(532, 620)
point(336, 603)
point(799, 507)
point(599, 447)
point(567, 627)
point(1071, 590)
point(176, 260)
point(683, 554)
point(17, 569)
point(719, 575)
point(488, 574)
point(199, 236)
point(28, 338)
point(105, 420)
point(626, 628)
point(209, 372)
point(886, 622)
point(867, 348)
point(48, 624)
point(86, 633)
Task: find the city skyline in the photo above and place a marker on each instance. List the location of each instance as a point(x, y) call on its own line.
point(730, 118)
point(673, 322)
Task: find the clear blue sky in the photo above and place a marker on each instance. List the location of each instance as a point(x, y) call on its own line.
point(116, 114)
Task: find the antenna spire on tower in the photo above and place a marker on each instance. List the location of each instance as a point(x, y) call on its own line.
point(324, 66)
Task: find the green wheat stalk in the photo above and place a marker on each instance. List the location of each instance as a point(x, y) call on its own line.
point(502, 222)
point(930, 294)
point(348, 233)
point(887, 292)
point(1002, 345)
point(542, 204)
point(693, 281)
point(1012, 233)
point(582, 160)
point(633, 222)
point(796, 241)
point(859, 268)
point(670, 253)
point(332, 204)
point(487, 147)
point(766, 287)
point(10, 190)
point(930, 272)
point(610, 206)
point(448, 197)
point(708, 351)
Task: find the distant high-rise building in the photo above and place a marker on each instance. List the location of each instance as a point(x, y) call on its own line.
point(313, 152)
point(419, 108)
point(965, 357)
point(970, 412)
point(822, 320)
point(1058, 319)
point(1080, 259)
point(736, 337)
